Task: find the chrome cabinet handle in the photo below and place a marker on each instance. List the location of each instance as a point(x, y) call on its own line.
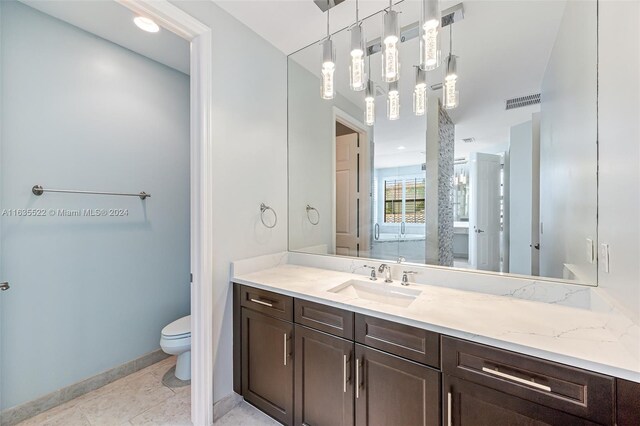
point(449, 422)
point(285, 349)
point(260, 302)
point(402, 228)
point(357, 378)
point(517, 379)
point(376, 232)
point(344, 374)
point(4, 286)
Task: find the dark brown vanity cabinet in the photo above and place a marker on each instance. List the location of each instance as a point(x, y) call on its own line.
point(267, 362)
point(489, 386)
point(324, 382)
point(306, 363)
point(394, 391)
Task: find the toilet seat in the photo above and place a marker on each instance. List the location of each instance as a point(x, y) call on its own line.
point(179, 329)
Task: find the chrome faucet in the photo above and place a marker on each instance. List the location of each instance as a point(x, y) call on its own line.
point(373, 272)
point(405, 276)
point(387, 272)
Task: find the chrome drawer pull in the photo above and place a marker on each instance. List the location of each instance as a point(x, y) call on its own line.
point(260, 302)
point(517, 379)
point(344, 374)
point(357, 378)
point(285, 349)
point(449, 422)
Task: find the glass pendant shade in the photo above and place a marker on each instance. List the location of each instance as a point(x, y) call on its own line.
point(449, 88)
point(420, 93)
point(370, 105)
point(357, 75)
point(430, 35)
point(328, 70)
point(390, 52)
point(393, 102)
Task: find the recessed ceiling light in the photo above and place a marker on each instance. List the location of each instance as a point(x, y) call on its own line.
point(401, 147)
point(146, 24)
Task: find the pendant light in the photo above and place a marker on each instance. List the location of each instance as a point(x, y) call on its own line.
point(430, 35)
point(357, 77)
point(393, 102)
point(449, 89)
point(370, 100)
point(328, 64)
point(370, 105)
point(390, 40)
point(420, 92)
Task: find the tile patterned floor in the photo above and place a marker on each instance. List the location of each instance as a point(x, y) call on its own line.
point(141, 399)
point(138, 399)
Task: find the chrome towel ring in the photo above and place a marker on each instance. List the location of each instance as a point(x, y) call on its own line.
point(309, 208)
point(263, 209)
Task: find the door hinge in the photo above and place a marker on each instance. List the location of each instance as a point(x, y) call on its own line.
point(190, 278)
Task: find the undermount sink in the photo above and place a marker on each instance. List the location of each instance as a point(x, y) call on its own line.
point(377, 291)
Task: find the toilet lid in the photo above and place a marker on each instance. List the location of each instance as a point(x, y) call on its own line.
point(179, 327)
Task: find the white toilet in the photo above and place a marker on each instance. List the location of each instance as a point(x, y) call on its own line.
point(176, 340)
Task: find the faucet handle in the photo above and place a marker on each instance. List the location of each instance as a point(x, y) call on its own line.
point(373, 276)
point(405, 276)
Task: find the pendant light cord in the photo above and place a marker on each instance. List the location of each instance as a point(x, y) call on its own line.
point(357, 12)
point(328, 16)
point(450, 39)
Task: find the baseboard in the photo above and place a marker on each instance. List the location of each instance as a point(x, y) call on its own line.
point(15, 415)
point(225, 405)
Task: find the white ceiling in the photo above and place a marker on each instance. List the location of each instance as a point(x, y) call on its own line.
point(503, 49)
point(114, 22)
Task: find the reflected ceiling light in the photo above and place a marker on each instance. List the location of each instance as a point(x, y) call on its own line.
point(328, 64)
point(449, 90)
point(430, 35)
point(401, 147)
point(420, 92)
point(146, 24)
point(357, 77)
point(393, 102)
point(370, 103)
point(390, 40)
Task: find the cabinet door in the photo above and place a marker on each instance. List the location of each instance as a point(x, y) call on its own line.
point(323, 383)
point(267, 365)
point(467, 403)
point(394, 391)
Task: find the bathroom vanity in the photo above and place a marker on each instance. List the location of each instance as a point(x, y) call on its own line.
point(305, 360)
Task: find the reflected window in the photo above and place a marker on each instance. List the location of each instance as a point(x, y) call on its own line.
point(404, 200)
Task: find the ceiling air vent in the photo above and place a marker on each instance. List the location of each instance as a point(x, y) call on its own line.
point(522, 101)
point(468, 140)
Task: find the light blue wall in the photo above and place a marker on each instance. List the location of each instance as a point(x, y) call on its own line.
point(87, 293)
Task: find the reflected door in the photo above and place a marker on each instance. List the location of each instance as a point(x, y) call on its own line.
point(347, 203)
point(484, 211)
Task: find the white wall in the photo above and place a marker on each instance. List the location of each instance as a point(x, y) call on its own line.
point(619, 150)
point(311, 157)
point(250, 160)
point(568, 149)
point(87, 293)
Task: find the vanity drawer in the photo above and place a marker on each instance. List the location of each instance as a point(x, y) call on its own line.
point(269, 303)
point(399, 339)
point(324, 318)
point(578, 392)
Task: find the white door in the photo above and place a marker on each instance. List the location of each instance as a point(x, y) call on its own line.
point(347, 195)
point(484, 211)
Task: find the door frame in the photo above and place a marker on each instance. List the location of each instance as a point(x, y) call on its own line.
point(348, 120)
point(199, 36)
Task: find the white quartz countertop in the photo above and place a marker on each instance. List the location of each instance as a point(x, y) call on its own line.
point(579, 337)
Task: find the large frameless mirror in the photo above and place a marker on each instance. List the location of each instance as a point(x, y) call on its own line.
point(483, 157)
